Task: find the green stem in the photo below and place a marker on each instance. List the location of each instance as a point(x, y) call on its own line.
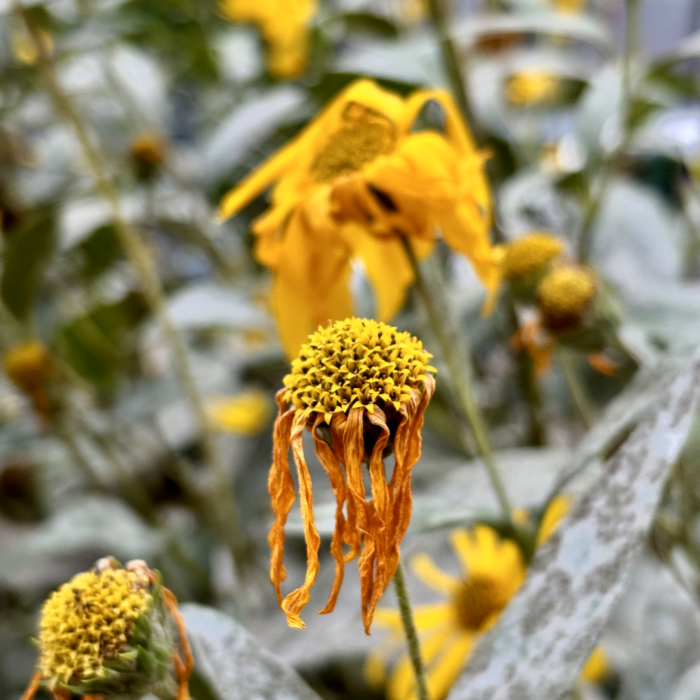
point(461, 374)
point(578, 391)
point(138, 253)
point(595, 203)
point(409, 628)
point(452, 61)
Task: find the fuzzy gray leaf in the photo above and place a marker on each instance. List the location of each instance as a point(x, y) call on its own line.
point(547, 632)
point(233, 663)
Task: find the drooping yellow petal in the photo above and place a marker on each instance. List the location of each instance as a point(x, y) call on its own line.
point(426, 570)
point(556, 511)
point(446, 669)
point(387, 268)
point(597, 668)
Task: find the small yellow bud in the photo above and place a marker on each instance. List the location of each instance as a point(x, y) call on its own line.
point(530, 254)
point(28, 366)
point(148, 153)
point(564, 296)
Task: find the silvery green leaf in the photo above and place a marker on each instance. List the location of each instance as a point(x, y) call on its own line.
point(543, 638)
point(233, 663)
point(688, 687)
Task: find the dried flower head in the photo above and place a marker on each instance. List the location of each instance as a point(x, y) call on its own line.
point(108, 632)
point(564, 297)
point(361, 388)
point(529, 255)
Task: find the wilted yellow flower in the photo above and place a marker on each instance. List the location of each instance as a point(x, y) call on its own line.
point(284, 24)
point(532, 87)
point(106, 633)
point(493, 570)
point(246, 413)
point(361, 388)
point(355, 181)
point(564, 296)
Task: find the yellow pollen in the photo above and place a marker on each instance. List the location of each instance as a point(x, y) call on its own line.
point(529, 254)
point(28, 365)
point(88, 620)
point(478, 599)
point(356, 362)
point(564, 296)
point(364, 135)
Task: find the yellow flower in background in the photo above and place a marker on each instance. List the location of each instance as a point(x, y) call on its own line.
point(493, 570)
point(564, 297)
point(284, 24)
point(355, 181)
point(360, 388)
point(569, 7)
point(24, 48)
point(532, 87)
point(246, 413)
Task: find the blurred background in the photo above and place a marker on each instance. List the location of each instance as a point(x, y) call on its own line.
point(116, 400)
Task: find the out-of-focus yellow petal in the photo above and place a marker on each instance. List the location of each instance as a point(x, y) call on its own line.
point(387, 268)
point(556, 511)
point(597, 668)
point(475, 548)
point(445, 671)
point(246, 413)
point(424, 568)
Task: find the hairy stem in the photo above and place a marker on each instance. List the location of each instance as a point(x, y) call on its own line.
point(461, 375)
point(140, 257)
point(576, 387)
point(409, 628)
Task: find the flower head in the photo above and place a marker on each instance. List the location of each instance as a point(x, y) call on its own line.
point(528, 255)
point(564, 297)
point(28, 365)
point(361, 388)
point(532, 87)
point(350, 186)
point(492, 571)
point(108, 632)
point(246, 413)
point(284, 24)
point(148, 152)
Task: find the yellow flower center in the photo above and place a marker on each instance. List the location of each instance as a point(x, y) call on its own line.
point(478, 599)
point(356, 362)
point(364, 135)
point(564, 296)
point(28, 365)
point(529, 254)
point(88, 620)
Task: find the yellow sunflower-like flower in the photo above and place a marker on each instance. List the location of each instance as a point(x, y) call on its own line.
point(355, 181)
point(361, 388)
point(284, 24)
point(106, 633)
point(493, 570)
point(532, 87)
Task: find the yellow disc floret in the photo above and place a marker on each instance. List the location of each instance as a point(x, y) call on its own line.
point(28, 365)
point(356, 362)
point(479, 598)
point(87, 621)
point(564, 296)
point(529, 254)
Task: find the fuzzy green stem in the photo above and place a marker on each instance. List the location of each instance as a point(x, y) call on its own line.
point(595, 203)
point(140, 257)
point(578, 391)
point(452, 61)
point(461, 374)
point(409, 628)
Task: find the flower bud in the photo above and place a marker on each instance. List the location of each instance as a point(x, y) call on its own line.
point(527, 261)
point(111, 632)
point(28, 366)
point(148, 153)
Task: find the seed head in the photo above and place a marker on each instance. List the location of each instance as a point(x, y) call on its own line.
point(356, 362)
point(564, 296)
point(87, 621)
point(530, 254)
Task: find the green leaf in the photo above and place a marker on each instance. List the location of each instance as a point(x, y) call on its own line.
point(27, 252)
point(546, 633)
point(233, 664)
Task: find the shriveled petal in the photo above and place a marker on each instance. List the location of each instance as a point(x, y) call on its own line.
point(295, 601)
point(425, 569)
point(335, 473)
point(282, 494)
